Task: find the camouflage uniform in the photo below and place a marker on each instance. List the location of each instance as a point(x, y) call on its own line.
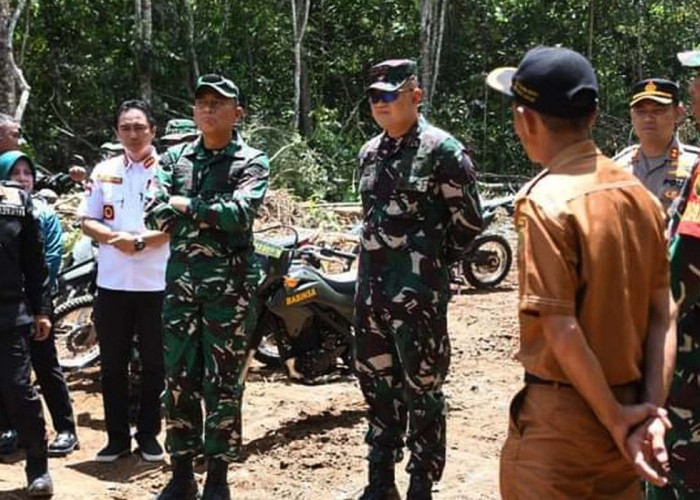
point(210, 305)
point(421, 211)
point(683, 404)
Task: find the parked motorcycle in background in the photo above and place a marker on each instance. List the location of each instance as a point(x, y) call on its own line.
point(490, 257)
point(305, 321)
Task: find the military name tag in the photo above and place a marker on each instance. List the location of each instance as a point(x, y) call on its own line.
point(12, 210)
point(110, 179)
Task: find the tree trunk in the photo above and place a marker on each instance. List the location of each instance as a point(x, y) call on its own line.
point(300, 19)
point(144, 46)
point(433, 15)
point(8, 96)
point(12, 78)
point(591, 28)
point(190, 38)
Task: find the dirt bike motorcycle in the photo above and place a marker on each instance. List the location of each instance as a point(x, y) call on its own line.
point(305, 320)
point(490, 257)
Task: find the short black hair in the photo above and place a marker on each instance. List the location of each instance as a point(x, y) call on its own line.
point(135, 104)
point(567, 125)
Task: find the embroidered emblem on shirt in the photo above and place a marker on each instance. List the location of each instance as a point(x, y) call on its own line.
point(108, 212)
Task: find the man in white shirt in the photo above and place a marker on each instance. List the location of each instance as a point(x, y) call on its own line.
point(130, 281)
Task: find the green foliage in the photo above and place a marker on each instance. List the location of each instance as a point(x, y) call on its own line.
point(81, 62)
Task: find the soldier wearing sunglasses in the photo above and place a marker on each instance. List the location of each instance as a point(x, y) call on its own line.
point(421, 210)
point(207, 193)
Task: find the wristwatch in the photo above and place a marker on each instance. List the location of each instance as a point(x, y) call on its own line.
point(139, 244)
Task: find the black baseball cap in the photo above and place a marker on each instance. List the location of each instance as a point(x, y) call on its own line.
point(391, 75)
point(552, 80)
point(655, 89)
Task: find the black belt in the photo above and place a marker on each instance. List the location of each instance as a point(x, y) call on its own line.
point(534, 379)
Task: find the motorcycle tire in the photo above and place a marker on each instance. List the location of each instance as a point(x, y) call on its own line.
point(498, 256)
point(266, 351)
point(74, 333)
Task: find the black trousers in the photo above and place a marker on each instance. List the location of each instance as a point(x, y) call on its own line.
point(118, 316)
point(53, 386)
point(18, 396)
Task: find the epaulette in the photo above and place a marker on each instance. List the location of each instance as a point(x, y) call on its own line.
point(527, 188)
point(689, 148)
point(629, 151)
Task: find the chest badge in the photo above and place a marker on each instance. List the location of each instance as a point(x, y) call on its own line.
point(108, 212)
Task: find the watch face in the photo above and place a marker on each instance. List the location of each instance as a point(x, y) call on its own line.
point(139, 245)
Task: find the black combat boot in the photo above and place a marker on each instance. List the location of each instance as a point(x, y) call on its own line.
point(420, 488)
point(182, 485)
point(39, 482)
point(216, 485)
point(381, 482)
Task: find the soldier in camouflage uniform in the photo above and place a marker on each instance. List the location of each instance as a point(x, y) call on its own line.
point(207, 194)
point(421, 210)
point(660, 161)
point(683, 440)
point(177, 131)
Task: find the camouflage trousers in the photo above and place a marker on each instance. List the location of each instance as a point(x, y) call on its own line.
point(402, 359)
point(683, 440)
point(205, 349)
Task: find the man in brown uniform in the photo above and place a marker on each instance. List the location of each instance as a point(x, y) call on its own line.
point(596, 337)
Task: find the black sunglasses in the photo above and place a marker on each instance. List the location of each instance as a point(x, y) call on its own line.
point(380, 95)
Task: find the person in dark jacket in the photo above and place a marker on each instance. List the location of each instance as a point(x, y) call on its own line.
point(18, 167)
point(25, 307)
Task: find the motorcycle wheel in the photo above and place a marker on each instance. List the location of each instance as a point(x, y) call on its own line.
point(75, 335)
point(489, 261)
point(267, 352)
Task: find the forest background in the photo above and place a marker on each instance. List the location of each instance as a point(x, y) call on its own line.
point(302, 67)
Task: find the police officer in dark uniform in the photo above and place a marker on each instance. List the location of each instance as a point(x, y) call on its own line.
point(25, 306)
point(660, 161)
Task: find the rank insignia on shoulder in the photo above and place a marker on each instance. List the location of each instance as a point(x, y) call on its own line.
point(149, 162)
point(108, 212)
point(674, 153)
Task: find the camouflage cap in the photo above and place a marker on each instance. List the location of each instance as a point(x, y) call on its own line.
point(178, 129)
point(391, 75)
point(690, 58)
point(219, 84)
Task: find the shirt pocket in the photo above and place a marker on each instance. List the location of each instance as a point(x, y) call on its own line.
point(112, 193)
point(409, 199)
point(368, 177)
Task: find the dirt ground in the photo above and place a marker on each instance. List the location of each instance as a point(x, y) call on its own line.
point(305, 442)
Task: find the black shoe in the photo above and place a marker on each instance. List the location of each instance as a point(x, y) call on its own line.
point(150, 448)
point(112, 451)
point(8, 442)
point(216, 485)
point(381, 482)
point(40, 486)
point(420, 488)
point(65, 443)
point(39, 482)
point(182, 485)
